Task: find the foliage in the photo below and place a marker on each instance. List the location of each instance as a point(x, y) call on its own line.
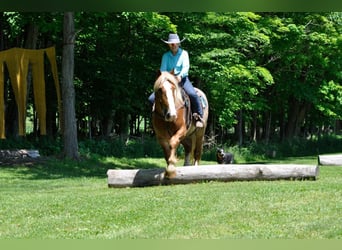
point(303, 62)
point(272, 75)
point(46, 146)
point(132, 148)
point(268, 75)
point(229, 63)
point(296, 147)
point(330, 100)
point(117, 56)
point(147, 147)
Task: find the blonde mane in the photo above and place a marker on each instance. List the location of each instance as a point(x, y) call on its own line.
point(166, 76)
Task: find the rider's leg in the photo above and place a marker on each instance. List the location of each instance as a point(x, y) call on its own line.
point(194, 98)
point(151, 98)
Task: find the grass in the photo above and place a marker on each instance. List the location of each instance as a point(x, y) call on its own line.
point(67, 200)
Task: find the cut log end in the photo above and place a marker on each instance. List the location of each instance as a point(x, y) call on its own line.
point(332, 160)
point(225, 173)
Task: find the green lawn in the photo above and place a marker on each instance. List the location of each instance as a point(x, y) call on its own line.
point(64, 200)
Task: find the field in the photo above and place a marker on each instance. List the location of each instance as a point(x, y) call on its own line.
point(68, 200)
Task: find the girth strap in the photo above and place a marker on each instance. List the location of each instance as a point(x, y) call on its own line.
point(188, 112)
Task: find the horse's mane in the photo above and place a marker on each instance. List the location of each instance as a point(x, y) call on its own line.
point(166, 76)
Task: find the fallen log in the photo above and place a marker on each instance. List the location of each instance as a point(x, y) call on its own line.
point(225, 173)
point(333, 160)
point(21, 153)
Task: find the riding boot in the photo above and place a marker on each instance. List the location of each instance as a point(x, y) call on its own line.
point(199, 120)
point(198, 114)
point(195, 101)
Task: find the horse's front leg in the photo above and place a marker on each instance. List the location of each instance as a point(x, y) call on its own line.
point(166, 149)
point(174, 143)
point(169, 155)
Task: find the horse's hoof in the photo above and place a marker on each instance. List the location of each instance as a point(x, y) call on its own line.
point(169, 174)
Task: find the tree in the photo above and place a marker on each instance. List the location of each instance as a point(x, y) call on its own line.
point(305, 61)
point(119, 52)
point(225, 51)
point(68, 91)
point(266, 75)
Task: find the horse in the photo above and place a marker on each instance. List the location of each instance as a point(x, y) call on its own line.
point(174, 124)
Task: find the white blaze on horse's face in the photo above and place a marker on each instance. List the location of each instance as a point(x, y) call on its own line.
point(172, 114)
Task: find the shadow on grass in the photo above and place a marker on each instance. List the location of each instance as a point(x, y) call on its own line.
point(54, 168)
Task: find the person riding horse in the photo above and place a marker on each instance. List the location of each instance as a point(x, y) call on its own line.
point(173, 124)
point(176, 61)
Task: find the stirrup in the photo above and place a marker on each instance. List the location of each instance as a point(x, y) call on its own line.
point(199, 124)
point(199, 121)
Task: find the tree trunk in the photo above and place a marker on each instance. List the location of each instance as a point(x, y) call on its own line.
point(282, 124)
point(30, 43)
point(338, 127)
point(240, 128)
point(296, 116)
point(292, 118)
point(333, 160)
point(225, 173)
point(268, 126)
point(254, 127)
point(122, 120)
point(68, 91)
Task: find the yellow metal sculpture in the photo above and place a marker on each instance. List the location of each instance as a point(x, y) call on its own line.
point(17, 61)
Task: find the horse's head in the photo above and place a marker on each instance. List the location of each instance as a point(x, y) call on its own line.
point(166, 96)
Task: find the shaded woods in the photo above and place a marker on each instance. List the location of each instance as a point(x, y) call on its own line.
point(267, 76)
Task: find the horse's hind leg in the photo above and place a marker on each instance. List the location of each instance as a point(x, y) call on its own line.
point(187, 151)
point(198, 147)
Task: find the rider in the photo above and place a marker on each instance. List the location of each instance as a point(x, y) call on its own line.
point(176, 60)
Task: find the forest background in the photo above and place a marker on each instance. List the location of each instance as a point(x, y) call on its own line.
point(270, 77)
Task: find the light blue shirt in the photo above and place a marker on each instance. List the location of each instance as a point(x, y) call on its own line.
point(179, 63)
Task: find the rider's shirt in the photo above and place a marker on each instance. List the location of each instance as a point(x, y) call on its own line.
point(179, 63)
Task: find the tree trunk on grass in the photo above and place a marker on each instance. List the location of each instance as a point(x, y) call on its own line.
point(225, 173)
point(333, 160)
point(68, 91)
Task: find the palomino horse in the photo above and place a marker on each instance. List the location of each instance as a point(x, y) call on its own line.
point(173, 122)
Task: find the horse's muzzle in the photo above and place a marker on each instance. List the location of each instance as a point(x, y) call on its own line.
point(168, 116)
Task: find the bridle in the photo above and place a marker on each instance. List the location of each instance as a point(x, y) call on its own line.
point(178, 104)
